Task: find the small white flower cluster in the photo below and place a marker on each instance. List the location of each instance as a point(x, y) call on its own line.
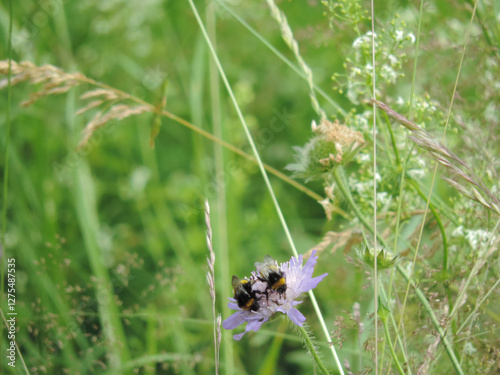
point(364, 41)
point(425, 110)
point(399, 36)
point(360, 70)
point(417, 167)
point(475, 237)
point(388, 74)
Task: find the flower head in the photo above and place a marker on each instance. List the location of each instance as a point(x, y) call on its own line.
point(385, 258)
point(333, 144)
point(271, 300)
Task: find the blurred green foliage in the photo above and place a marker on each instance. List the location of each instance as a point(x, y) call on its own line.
point(109, 240)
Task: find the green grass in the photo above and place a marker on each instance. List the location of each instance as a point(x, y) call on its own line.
point(109, 239)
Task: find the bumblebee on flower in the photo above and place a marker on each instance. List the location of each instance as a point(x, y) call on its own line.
point(273, 288)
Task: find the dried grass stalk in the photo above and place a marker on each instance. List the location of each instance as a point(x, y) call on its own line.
point(106, 93)
point(54, 80)
point(336, 240)
point(116, 112)
point(112, 102)
point(475, 190)
point(287, 35)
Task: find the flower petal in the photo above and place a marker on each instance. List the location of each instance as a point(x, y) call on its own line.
point(255, 325)
point(239, 336)
point(308, 269)
point(296, 316)
point(234, 320)
point(312, 283)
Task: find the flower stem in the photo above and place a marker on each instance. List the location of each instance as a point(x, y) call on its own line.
point(339, 177)
point(391, 347)
point(312, 350)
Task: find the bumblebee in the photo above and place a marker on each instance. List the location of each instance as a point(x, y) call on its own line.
point(244, 295)
point(270, 273)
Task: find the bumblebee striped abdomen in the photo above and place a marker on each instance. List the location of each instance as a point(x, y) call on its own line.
point(270, 273)
point(244, 295)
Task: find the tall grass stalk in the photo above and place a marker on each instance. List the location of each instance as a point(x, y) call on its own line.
point(474, 315)
point(5, 186)
point(211, 284)
point(409, 148)
point(384, 313)
point(283, 58)
point(162, 219)
point(374, 135)
point(287, 35)
point(8, 126)
point(478, 303)
point(222, 232)
point(341, 183)
point(436, 165)
point(5, 194)
point(484, 254)
point(398, 339)
point(264, 175)
point(79, 78)
point(50, 211)
point(21, 357)
point(238, 151)
point(31, 214)
point(85, 205)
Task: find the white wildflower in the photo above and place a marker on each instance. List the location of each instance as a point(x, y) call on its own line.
point(383, 198)
point(399, 35)
point(458, 232)
point(477, 238)
point(358, 42)
point(393, 59)
point(416, 173)
point(388, 73)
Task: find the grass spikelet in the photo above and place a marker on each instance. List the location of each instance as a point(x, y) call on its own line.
point(337, 240)
point(107, 94)
point(116, 112)
point(91, 105)
point(449, 160)
point(110, 96)
point(287, 34)
point(54, 80)
point(211, 283)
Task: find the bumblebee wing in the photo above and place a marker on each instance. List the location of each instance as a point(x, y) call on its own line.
point(268, 259)
point(266, 263)
point(235, 282)
point(265, 267)
point(262, 269)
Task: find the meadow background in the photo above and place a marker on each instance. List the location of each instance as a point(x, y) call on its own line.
point(109, 239)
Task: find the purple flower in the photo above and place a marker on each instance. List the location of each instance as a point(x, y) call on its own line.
point(298, 280)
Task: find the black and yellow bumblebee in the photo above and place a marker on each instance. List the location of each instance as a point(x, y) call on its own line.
point(270, 273)
point(244, 295)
